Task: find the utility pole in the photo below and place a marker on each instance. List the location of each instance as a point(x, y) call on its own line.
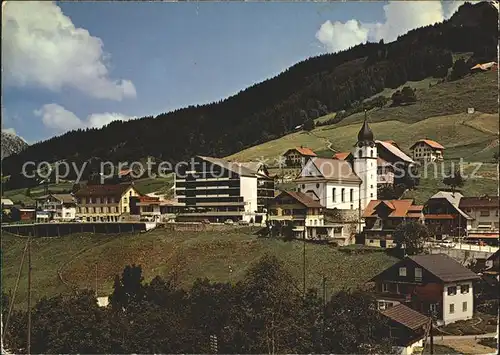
point(96, 292)
point(304, 263)
point(28, 346)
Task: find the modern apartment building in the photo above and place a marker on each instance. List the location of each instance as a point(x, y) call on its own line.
point(218, 190)
point(104, 203)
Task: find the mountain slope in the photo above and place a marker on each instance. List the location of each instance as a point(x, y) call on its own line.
point(12, 144)
point(271, 109)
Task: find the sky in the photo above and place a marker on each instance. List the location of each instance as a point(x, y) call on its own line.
point(70, 65)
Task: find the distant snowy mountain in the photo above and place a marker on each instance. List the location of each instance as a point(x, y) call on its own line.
point(12, 144)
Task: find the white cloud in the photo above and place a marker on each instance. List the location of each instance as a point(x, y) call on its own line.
point(60, 120)
point(338, 36)
point(400, 17)
point(42, 47)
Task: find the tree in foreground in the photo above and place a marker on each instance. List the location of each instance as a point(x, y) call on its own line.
point(454, 180)
point(411, 236)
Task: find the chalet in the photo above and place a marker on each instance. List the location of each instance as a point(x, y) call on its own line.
point(427, 150)
point(382, 218)
point(298, 156)
point(104, 203)
point(444, 217)
point(484, 214)
point(407, 327)
point(218, 190)
point(61, 207)
point(433, 284)
point(306, 216)
point(158, 210)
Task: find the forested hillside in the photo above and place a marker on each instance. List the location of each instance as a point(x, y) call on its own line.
point(271, 109)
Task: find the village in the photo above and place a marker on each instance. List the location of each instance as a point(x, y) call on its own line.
point(335, 202)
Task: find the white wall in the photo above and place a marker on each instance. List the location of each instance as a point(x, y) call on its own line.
point(68, 213)
point(248, 190)
point(317, 187)
point(366, 168)
point(457, 300)
point(346, 205)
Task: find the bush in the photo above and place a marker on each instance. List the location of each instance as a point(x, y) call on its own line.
point(489, 342)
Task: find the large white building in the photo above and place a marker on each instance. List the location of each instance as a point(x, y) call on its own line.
point(343, 184)
point(218, 190)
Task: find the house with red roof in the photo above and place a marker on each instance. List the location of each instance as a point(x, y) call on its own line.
point(382, 217)
point(306, 218)
point(427, 150)
point(298, 156)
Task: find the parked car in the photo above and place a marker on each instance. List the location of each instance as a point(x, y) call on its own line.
point(229, 221)
point(447, 244)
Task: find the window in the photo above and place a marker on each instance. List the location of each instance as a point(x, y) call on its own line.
point(371, 153)
point(317, 186)
point(124, 200)
point(464, 306)
point(452, 290)
point(333, 194)
point(371, 241)
point(385, 287)
point(484, 213)
point(464, 289)
point(351, 195)
point(343, 195)
point(496, 213)
point(402, 271)
point(433, 307)
point(452, 308)
point(352, 207)
point(418, 274)
point(371, 195)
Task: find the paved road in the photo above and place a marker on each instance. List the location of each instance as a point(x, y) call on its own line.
point(461, 337)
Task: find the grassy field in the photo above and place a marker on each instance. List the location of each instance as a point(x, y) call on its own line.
point(189, 255)
point(438, 114)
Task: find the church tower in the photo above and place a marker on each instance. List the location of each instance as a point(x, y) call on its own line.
point(365, 164)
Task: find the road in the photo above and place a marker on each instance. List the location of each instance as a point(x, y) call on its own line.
point(462, 337)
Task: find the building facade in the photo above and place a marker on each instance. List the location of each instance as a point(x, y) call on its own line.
point(298, 156)
point(443, 216)
point(382, 217)
point(432, 284)
point(217, 190)
point(427, 150)
point(104, 203)
point(59, 207)
point(306, 217)
point(484, 216)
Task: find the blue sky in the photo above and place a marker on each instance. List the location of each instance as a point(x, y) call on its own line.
point(75, 65)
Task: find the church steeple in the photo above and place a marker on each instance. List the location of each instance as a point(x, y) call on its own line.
point(365, 134)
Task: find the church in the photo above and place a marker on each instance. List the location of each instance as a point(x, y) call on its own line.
point(349, 180)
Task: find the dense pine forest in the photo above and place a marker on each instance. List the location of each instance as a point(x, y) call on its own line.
point(271, 109)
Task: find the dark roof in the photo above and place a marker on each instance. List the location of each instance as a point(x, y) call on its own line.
point(444, 267)
point(365, 133)
point(475, 202)
point(304, 199)
point(103, 190)
point(406, 316)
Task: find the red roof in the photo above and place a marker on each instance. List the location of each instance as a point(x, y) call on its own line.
point(341, 156)
point(306, 151)
point(429, 142)
point(148, 199)
point(400, 208)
